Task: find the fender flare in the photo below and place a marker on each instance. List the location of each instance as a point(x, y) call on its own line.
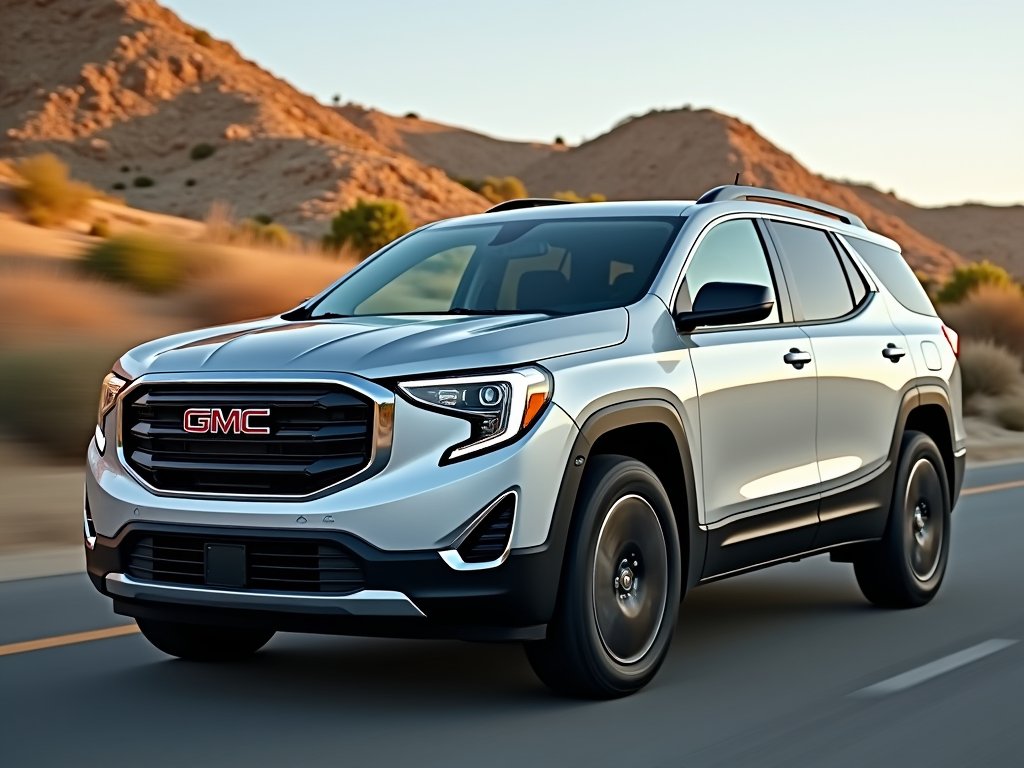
point(601, 422)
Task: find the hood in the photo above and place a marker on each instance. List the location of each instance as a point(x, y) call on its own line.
point(380, 347)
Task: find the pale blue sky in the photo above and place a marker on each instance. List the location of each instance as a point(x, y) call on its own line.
point(925, 98)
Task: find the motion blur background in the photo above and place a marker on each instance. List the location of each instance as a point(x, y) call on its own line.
point(154, 178)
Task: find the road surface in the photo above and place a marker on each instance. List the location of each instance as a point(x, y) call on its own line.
point(788, 666)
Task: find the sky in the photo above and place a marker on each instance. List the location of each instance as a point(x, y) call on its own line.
point(922, 98)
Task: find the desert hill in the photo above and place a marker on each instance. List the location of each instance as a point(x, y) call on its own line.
point(125, 84)
point(975, 231)
point(458, 152)
point(683, 153)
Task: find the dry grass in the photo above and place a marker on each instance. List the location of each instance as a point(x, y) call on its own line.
point(49, 196)
point(992, 313)
point(988, 369)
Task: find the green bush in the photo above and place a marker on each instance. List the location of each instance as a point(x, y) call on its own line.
point(368, 226)
point(119, 185)
point(49, 196)
point(263, 230)
point(202, 151)
point(143, 181)
point(202, 37)
point(499, 190)
point(1010, 414)
point(190, 182)
point(48, 396)
point(144, 262)
point(263, 218)
point(969, 278)
point(572, 197)
point(468, 183)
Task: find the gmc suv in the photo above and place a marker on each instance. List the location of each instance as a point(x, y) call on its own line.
point(540, 424)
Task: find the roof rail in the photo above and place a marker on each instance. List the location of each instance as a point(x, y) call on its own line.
point(525, 202)
point(733, 192)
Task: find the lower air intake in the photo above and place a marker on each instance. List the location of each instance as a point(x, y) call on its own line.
point(490, 539)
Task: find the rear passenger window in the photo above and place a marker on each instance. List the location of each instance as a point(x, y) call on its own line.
point(815, 274)
point(895, 274)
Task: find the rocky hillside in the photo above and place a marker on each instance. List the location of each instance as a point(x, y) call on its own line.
point(459, 152)
point(682, 154)
point(122, 89)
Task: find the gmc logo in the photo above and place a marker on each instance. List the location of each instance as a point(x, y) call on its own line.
point(199, 421)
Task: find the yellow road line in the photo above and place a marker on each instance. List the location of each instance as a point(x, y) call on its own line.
point(990, 488)
point(130, 629)
point(77, 637)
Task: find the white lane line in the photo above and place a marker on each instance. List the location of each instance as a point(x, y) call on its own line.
point(935, 668)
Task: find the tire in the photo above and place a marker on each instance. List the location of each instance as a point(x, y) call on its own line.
point(200, 642)
point(905, 569)
point(620, 591)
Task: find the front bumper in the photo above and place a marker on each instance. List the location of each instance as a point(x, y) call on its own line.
point(406, 594)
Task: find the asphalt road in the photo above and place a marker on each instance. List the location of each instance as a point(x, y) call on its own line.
point(765, 670)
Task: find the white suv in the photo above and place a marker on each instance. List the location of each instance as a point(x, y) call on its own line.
point(540, 424)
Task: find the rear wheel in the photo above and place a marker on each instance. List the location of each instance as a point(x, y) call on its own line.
point(200, 642)
point(620, 590)
point(906, 568)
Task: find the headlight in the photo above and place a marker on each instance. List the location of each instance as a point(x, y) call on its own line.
point(499, 407)
point(112, 385)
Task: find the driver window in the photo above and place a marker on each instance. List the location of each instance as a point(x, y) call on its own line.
point(731, 253)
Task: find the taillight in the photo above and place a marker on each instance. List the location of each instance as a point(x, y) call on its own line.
point(953, 338)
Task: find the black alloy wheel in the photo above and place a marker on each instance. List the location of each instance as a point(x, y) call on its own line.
point(621, 586)
point(905, 569)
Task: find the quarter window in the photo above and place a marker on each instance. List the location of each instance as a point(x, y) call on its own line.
point(731, 253)
point(815, 274)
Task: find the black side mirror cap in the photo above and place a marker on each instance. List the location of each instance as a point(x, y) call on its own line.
point(727, 304)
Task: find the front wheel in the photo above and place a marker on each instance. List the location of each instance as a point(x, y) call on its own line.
point(200, 642)
point(620, 590)
point(905, 569)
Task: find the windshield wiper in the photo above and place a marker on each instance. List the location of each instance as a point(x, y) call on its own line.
point(468, 311)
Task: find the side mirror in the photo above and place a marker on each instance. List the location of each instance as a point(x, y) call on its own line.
point(727, 304)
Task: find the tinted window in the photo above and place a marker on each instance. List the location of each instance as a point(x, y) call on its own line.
point(895, 274)
point(853, 277)
point(543, 265)
point(730, 253)
point(817, 276)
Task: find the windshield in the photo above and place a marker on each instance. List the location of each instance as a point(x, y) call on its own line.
point(554, 266)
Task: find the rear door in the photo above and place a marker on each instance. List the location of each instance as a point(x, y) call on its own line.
point(863, 370)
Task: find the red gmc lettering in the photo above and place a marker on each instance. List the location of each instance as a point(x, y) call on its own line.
point(236, 421)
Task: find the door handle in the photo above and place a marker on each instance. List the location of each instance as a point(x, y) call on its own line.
point(797, 358)
point(893, 353)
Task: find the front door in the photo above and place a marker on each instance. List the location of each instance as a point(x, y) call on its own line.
point(757, 412)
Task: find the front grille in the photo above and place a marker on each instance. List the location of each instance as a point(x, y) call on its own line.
point(490, 538)
point(319, 435)
point(270, 564)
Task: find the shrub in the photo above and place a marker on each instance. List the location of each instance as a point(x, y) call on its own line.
point(1010, 414)
point(412, 116)
point(202, 37)
point(147, 263)
point(49, 196)
point(468, 183)
point(190, 182)
point(499, 190)
point(559, 141)
point(572, 197)
point(336, 98)
point(58, 410)
point(988, 369)
point(143, 181)
point(990, 312)
point(969, 278)
point(265, 232)
point(202, 151)
point(263, 218)
point(368, 226)
point(125, 169)
point(119, 185)
point(100, 228)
